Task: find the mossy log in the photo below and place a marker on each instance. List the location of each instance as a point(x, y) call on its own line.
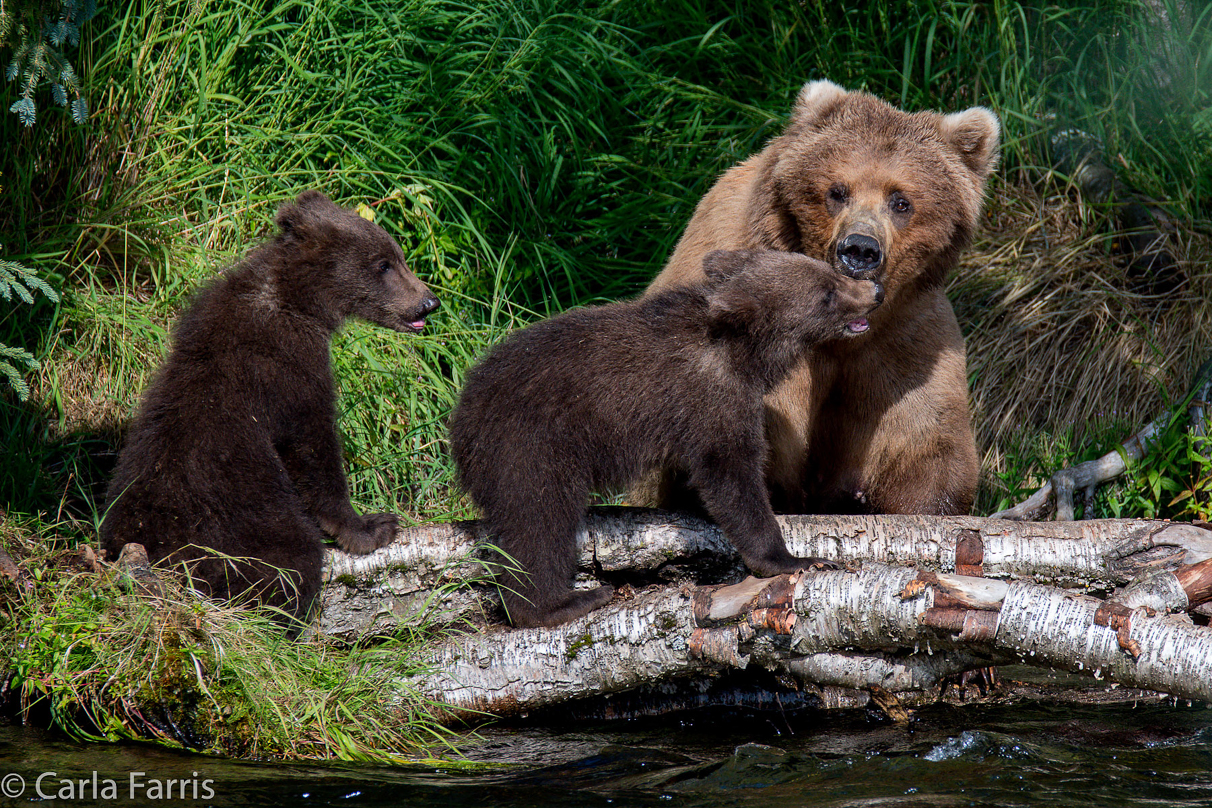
point(920, 599)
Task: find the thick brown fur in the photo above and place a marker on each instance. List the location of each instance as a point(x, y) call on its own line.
point(879, 423)
point(234, 448)
point(589, 400)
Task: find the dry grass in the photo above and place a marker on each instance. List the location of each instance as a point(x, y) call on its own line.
point(1056, 337)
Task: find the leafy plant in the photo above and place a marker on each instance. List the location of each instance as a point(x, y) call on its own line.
point(20, 283)
point(37, 30)
point(1174, 480)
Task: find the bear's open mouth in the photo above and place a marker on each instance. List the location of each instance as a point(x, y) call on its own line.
point(857, 326)
point(417, 325)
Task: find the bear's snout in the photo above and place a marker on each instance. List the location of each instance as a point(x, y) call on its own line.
point(429, 304)
point(868, 295)
point(414, 320)
point(854, 300)
point(860, 255)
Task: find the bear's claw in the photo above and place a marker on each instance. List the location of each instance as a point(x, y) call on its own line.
point(377, 530)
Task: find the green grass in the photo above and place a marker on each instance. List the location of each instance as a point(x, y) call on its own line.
point(1172, 481)
point(108, 661)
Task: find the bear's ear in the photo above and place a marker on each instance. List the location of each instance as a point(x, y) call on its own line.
point(816, 102)
point(732, 305)
point(292, 219)
point(303, 218)
point(720, 265)
point(974, 133)
point(314, 200)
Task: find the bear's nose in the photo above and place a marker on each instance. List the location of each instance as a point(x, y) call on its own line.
point(429, 305)
point(859, 254)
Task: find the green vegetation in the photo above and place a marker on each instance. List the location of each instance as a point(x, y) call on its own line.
point(531, 155)
point(107, 659)
point(36, 31)
point(17, 285)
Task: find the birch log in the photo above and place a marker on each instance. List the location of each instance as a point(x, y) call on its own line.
point(435, 567)
point(810, 625)
point(921, 598)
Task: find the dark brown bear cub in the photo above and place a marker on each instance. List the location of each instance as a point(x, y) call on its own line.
point(591, 399)
point(234, 448)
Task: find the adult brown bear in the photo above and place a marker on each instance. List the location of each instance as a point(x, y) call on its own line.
point(879, 423)
point(234, 449)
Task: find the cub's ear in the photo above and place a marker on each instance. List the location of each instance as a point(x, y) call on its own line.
point(304, 217)
point(292, 220)
point(816, 102)
point(732, 305)
point(720, 265)
point(309, 198)
point(975, 133)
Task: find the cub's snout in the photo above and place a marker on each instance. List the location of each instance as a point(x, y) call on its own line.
point(855, 300)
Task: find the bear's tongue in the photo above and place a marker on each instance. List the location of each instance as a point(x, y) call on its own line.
point(417, 324)
point(857, 326)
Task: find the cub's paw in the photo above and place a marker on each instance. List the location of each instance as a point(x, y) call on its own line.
point(376, 530)
point(814, 563)
point(580, 603)
point(790, 564)
point(573, 605)
point(383, 527)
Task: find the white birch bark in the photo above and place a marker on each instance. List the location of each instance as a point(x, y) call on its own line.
point(1048, 626)
point(906, 673)
point(620, 646)
point(811, 625)
point(431, 564)
point(879, 623)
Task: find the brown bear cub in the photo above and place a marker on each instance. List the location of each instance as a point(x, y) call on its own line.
point(592, 398)
point(234, 448)
point(880, 423)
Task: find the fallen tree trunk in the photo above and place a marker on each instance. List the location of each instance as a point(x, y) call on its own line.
point(809, 625)
point(435, 566)
point(874, 627)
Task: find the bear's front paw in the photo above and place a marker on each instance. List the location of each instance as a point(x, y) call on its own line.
point(382, 528)
point(788, 564)
point(377, 530)
point(814, 563)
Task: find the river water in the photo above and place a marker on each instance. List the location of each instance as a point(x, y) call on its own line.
point(1033, 753)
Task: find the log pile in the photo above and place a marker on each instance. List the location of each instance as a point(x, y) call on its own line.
point(919, 599)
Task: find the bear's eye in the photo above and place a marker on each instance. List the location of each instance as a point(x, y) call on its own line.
point(900, 204)
point(838, 193)
point(384, 267)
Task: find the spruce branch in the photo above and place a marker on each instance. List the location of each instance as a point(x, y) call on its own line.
point(37, 30)
point(20, 282)
point(11, 374)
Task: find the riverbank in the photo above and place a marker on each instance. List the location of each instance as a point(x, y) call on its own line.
point(102, 652)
